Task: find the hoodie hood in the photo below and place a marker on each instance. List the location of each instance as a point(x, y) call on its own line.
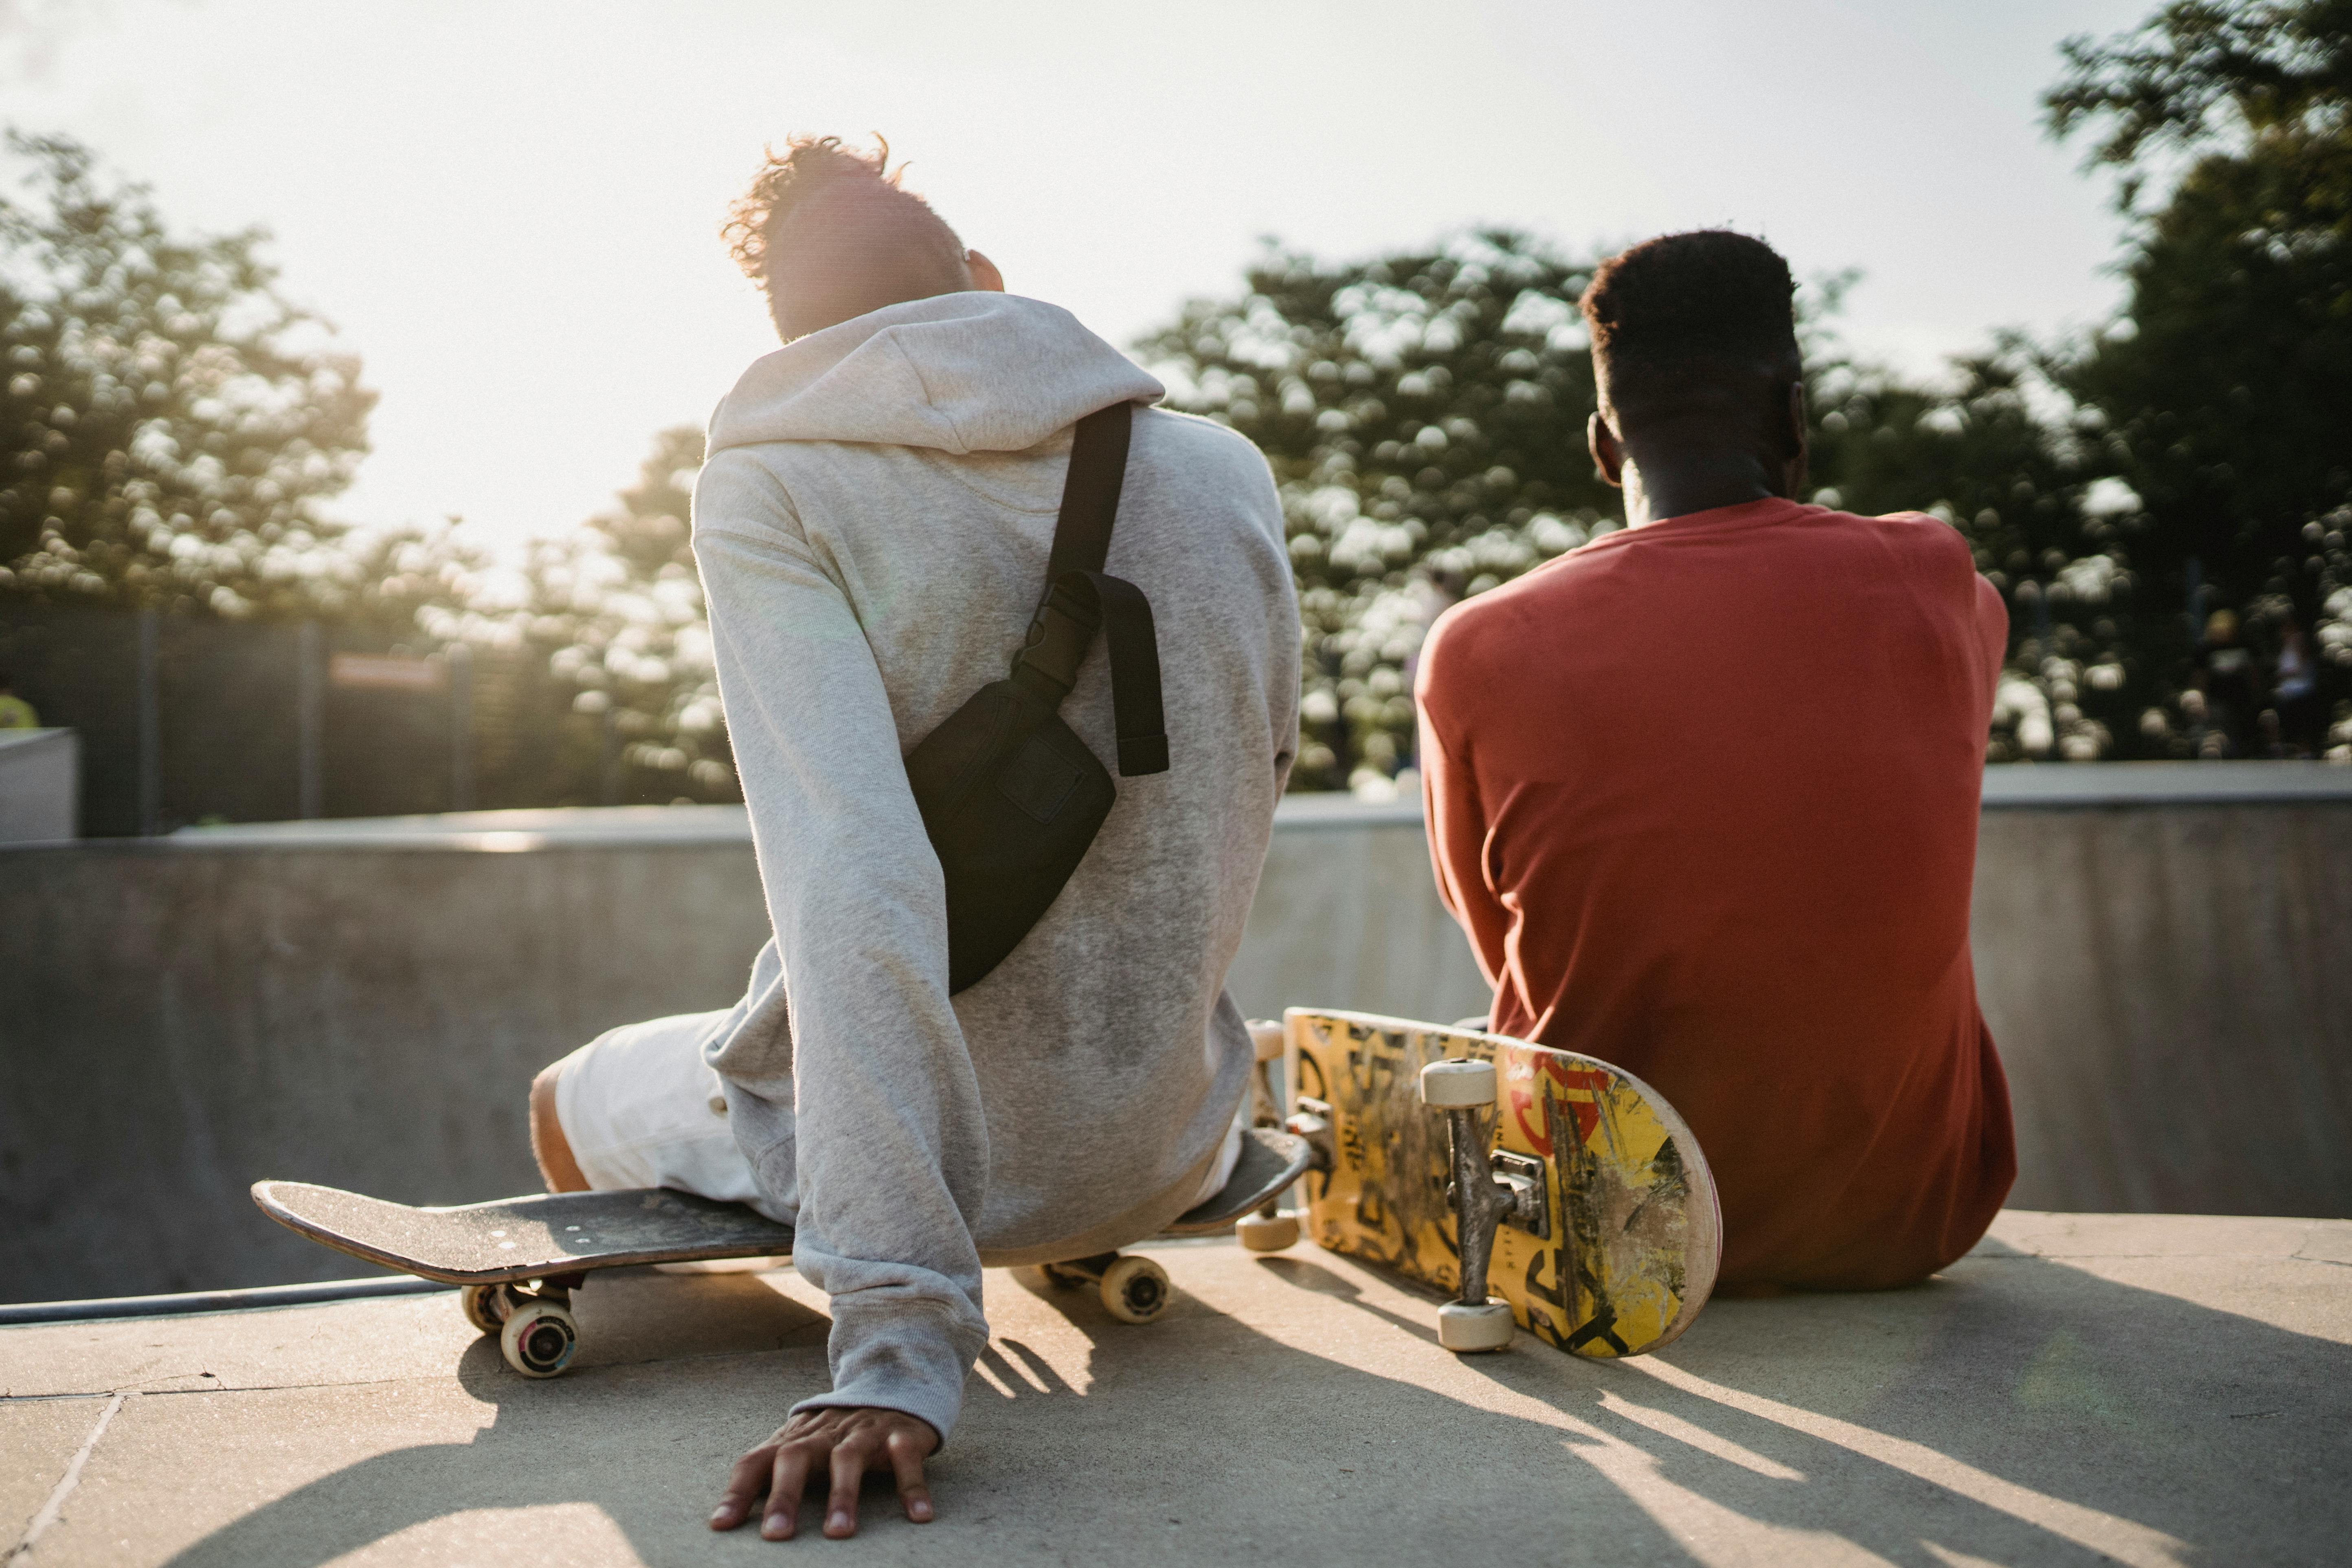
point(976, 372)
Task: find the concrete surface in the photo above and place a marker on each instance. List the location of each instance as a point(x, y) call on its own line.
point(2083, 1388)
point(41, 785)
point(2164, 952)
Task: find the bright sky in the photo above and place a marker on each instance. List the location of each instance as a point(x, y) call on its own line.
point(510, 209)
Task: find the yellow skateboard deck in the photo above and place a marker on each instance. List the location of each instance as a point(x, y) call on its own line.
point(1618, 1249)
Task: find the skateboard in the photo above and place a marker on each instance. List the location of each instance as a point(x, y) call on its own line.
point(517, 1261)
point(1475, 1163)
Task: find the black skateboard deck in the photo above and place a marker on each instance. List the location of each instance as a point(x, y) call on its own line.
point(533, 1237)
point(517, 1259)
point(1270, 1162)
point(546, 1234)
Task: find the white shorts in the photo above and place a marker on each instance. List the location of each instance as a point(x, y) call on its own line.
point(640, 1108)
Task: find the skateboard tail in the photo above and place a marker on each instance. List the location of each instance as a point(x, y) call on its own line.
point(1270, 1163)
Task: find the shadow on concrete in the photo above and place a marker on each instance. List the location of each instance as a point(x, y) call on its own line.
point(2018, 1410)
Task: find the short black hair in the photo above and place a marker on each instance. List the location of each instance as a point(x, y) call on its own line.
point(828, 234)
point(1680, 321)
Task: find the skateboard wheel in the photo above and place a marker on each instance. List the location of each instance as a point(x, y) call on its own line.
point(1135, 1289)
point(1266, 1231)
point(485, 1306)
point(1265, 1037)
point(1457, 1084)
point(1464, 1328)
point(539, 1338)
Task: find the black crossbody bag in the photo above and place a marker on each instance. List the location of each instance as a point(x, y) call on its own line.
point(1010, 795)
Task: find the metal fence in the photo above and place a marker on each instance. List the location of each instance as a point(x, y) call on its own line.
point(185, 721)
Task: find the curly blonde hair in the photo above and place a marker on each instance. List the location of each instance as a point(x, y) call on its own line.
point(866, 242)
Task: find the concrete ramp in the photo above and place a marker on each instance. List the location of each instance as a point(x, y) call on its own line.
point(2133, 1388)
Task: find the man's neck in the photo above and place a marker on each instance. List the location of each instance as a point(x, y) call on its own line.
point(1679, 483)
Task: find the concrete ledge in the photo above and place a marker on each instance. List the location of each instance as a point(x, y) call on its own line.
point(2081, 1388)
point(2061, 786)
point(492, 832)
point(186, 1304)
point(2053, 786)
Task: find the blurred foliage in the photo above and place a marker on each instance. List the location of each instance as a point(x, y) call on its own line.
point(614, 611)
point(2196, 73)
point(169, 424)
point(1424, 416)
point(2223, 396)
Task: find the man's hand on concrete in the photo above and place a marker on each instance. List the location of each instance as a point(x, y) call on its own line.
point(845, 1443)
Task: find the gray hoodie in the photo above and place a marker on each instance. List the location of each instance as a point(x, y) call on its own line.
point(872, 526)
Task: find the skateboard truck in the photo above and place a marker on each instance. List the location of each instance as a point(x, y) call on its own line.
point(1486, 1191)
point(1269, 1229)
point(1312, 1121)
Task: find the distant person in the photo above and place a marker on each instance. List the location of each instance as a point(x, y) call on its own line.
point(16, 713)
point(872, 526)
point(2228, 681)
point(2302, 713)
point(1703, 793)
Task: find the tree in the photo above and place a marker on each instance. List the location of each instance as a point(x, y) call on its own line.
point(2225, 391)
point(169, 422)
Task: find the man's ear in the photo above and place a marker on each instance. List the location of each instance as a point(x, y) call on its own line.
point(984, 275)
point(1608, 457)
point(1797, 438)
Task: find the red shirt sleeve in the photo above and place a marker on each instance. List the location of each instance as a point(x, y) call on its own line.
point(1456, 822)
point(1993, 634)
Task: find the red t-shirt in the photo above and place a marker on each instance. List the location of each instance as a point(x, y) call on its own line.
point(1703, 793)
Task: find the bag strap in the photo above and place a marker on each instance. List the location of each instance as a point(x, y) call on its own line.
point(1080, 600)
point(1090, 493)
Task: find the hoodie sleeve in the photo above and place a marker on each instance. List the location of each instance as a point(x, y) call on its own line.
point(891, 1145)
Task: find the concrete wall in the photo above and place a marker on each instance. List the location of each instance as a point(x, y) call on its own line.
point(1347, 916)
point(41, 785)
point(183, 1019)
point(2165, 956)
point(2171, 990)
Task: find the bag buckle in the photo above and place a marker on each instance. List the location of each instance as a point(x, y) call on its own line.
point(1058, 638)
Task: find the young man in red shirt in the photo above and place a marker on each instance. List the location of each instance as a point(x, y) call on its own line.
point(1703, 793)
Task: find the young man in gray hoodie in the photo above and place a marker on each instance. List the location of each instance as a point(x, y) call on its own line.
point(872, 524)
